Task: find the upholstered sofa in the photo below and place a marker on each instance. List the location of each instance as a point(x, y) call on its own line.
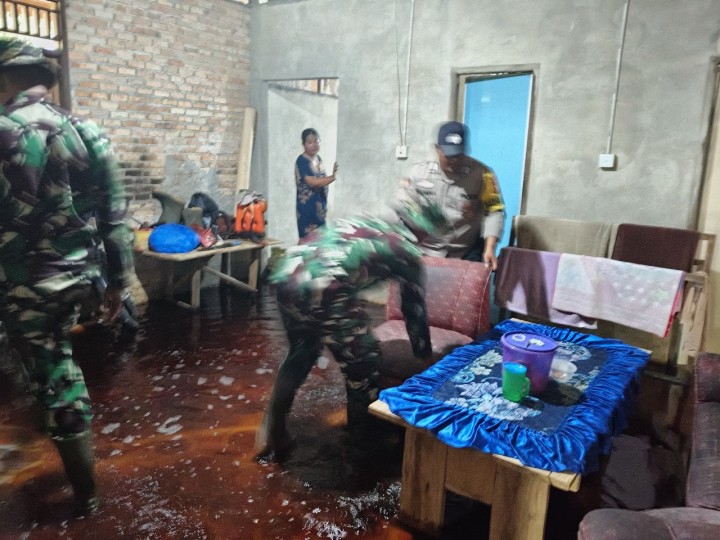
point(700, 518)
point(458, 302)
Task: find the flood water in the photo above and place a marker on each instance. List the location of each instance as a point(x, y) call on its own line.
point(175, 418)
point(176, 412)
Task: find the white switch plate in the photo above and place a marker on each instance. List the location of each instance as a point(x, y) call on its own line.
point(607, 161)
point(401, 152)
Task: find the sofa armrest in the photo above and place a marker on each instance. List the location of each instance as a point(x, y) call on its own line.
point(618, 524)
point(707, 377)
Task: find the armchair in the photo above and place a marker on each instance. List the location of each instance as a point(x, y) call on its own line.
point(458, 303)
point(700, 518)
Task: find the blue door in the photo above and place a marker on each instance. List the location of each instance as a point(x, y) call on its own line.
point(497, 111)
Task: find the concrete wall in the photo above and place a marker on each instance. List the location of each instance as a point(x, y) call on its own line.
point(662, 107)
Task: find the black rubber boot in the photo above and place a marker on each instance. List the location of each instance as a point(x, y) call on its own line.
point(78, 458)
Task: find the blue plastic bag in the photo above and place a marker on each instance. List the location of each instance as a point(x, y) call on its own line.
point(173, 238)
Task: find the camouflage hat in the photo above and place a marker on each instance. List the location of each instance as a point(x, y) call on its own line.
point(15, 52)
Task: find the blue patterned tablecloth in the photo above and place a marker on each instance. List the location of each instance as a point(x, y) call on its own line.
point(566, 428)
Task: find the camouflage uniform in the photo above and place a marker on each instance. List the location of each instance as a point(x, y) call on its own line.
point(318, 283)
point(55, 168)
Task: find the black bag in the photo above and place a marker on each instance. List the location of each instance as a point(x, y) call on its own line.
point(209, 207)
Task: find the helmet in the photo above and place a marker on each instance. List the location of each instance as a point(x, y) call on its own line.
point(15, 52)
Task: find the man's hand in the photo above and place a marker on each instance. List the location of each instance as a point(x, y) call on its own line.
point(112, 303)
point(489, 252)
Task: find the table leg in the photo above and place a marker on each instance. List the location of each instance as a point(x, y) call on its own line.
point(519, 504)
point(254, 268)
point(195, 289)
point(422, 495)
point(170, 281)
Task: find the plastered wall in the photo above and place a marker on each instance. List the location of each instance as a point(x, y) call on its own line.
point(663, 98)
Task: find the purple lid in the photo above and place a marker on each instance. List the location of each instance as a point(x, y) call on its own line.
point(529, 342)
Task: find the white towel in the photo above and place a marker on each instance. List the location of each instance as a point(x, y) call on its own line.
point(635, 295)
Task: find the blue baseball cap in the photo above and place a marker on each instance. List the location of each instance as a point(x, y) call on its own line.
point(451, 138)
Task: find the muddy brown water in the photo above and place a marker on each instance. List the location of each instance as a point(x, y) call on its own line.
point(176, 412)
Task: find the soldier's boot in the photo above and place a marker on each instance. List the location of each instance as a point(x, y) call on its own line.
point(362, 430)
point(78, 458)
point(172, 207)
point(272, 439)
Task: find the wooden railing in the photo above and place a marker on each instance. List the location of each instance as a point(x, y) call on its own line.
point(36, 18)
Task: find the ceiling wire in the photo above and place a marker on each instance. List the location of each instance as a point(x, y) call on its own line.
point(611, 127)
point(397, 73)
point(403, 111)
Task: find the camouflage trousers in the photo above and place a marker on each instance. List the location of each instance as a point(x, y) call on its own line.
point(344, 327)
point(39, 330)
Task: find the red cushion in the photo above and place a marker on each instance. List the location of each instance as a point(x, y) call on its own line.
point(457, 295)
point(398, 360)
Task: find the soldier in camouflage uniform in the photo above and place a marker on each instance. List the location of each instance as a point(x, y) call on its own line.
point(54, 168)
point(318, 284)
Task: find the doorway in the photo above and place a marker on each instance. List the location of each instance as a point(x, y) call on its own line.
point(294, 105)
point(496, 107)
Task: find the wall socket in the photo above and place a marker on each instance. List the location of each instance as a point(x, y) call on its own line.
point(401, 152)
point(607, 161)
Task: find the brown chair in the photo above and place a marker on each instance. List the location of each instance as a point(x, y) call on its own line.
point(458, 303)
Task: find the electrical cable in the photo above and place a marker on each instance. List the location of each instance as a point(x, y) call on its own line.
point(611, 127)
point(403, 115)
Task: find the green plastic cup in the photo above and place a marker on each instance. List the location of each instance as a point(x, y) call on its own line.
point(515, 382)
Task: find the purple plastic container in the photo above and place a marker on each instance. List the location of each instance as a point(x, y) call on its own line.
point(532, 350)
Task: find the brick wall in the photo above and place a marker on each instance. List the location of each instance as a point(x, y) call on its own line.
point(168, 81)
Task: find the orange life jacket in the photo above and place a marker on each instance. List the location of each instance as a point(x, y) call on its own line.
point(250, 215)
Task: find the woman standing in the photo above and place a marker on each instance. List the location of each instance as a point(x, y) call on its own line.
point(312, 185)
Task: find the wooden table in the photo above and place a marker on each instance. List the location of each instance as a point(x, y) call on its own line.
point(518, 495)
point(253, 249)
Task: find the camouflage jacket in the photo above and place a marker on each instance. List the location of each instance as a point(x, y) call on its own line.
point(340, 261)
point(57, 171)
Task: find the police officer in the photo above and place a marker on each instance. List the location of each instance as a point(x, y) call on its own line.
point(54, 168)
point(468, 192)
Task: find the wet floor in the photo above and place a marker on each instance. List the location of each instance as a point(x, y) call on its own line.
point(175, 417)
